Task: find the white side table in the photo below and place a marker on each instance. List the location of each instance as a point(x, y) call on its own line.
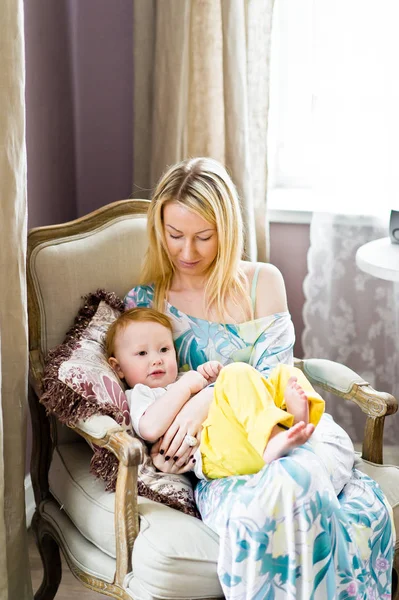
point(379, 258)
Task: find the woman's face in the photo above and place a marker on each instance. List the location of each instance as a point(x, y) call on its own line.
point(192, 242)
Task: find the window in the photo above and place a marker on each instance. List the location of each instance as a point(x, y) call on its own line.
point(334, 106)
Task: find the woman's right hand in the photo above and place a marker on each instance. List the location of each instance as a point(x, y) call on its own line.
point(169, 466)
point(188, 422)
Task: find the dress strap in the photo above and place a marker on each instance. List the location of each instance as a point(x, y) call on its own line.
point(253, 286)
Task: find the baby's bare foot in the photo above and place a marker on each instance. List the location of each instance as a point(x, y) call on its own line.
point(297, 401)
point(284, 441)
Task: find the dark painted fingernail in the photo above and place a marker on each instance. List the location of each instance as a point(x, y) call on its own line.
point(175, 457)
point(192, 456)
point(167, 457)
point(193, 459)
point(162, 452)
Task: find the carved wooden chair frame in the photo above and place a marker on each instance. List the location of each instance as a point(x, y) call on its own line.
point(125, 448)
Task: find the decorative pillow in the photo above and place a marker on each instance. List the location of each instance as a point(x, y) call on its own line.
point(78, 382)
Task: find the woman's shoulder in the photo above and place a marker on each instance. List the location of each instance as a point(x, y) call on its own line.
point(264, 269)
point(266, 286)
point(140, 295)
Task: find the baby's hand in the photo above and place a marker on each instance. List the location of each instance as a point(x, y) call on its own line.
point(195, 380)
point(210, 370)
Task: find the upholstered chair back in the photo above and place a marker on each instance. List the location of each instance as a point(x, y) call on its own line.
point(103, 250)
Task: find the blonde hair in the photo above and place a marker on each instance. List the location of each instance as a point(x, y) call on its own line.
point(203, 186)
point(134, 315)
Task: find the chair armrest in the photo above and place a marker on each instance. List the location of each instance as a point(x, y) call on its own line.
point(97, 426)
point(342, 381)
point(345, 383)
point(104, 431)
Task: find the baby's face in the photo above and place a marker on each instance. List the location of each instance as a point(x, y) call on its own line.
point(146, 354)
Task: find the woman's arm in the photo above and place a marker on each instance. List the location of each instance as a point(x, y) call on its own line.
point(159, 416)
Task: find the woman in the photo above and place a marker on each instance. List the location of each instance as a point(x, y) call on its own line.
point(283, 531)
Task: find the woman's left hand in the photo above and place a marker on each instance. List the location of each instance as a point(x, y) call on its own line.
point(170, 466)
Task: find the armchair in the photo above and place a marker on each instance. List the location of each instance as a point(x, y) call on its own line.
point(122, 544)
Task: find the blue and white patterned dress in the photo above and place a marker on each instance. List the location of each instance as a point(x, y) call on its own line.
point(284, 534)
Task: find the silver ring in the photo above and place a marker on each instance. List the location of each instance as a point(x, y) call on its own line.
point(190, 440)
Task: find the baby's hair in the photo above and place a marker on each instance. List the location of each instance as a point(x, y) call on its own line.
point(134, 315)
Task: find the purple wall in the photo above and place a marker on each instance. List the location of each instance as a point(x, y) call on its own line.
point(102, 67)
point(79, 67)
point(79, 108)
point(289, 245)
point(49, 113)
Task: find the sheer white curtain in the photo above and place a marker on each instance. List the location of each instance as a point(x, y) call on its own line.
point(14, 572)
point(349, 316)
point(355, 105)
point(201, 79)
point(352, 317)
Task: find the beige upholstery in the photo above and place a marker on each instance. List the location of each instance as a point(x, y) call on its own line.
point(110, 258)
point(173, 552)
point(387, 476)
point(174, 555)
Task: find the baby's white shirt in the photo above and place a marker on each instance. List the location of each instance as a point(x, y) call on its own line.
point(140, 398)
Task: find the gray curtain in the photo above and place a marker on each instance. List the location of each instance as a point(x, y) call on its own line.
point(14, 571)
point(201, 80)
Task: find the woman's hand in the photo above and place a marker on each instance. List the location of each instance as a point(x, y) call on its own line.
point(187, 423)
point(170, 466)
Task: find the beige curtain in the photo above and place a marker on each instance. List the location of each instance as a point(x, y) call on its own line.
point(14, 573)
point(201, 79)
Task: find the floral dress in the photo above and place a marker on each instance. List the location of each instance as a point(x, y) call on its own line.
point(284, 533)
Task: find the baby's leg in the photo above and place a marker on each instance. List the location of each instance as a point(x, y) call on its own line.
point(277, 384)
point(296, 401)
point(240, 422)
point(282, 442)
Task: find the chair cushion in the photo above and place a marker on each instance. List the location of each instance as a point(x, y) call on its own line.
point(173, 552)
point(387, 477)
point(78, 383)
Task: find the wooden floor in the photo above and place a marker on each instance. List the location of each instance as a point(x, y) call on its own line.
point(70, 588)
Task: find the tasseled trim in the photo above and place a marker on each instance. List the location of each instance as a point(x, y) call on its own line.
point(88, 310)
point(104, 465)
point(58, 398)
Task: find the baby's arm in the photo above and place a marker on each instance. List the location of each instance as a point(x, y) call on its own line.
point(158, 417)
point(210, 370)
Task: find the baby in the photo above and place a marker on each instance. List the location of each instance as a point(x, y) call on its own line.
point(251, 420)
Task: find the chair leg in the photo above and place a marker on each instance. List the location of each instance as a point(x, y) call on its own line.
point(395, 576)
point(51, 559)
